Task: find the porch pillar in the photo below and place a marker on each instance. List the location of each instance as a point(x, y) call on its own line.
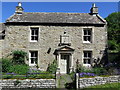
point(71, 60)
point(59, 57)
point(58, 68)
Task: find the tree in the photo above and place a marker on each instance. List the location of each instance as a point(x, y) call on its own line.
point(113, 21)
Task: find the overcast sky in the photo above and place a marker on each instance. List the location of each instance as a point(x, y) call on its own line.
point(105, 8)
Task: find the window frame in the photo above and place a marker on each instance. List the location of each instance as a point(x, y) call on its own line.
point(87, 51)
point(34, 34)
point(91, 36)
point(30, 57)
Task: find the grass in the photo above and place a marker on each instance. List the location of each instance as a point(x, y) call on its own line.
point(111, 86)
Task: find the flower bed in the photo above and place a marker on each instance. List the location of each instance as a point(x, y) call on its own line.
point(28, 76)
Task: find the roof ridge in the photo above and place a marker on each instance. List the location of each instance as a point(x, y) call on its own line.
point(59, 12)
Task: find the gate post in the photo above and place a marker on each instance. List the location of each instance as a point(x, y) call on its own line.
point(77, 78)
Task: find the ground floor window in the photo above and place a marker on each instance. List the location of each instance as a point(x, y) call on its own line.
point(33, 57)
point(87, 57)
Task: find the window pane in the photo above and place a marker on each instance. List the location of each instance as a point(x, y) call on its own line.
point(85, 32)
point(89, 54)
point(36, 38)
point(88, 38)
point(32, 60)
point(32, 32)
point(88, 61)
point(89, 32)
point(32, 38)
point(85, 54)
point(85, 38)
point(36, 32)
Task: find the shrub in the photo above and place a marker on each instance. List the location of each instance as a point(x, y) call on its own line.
point(6, 63)
point(99, 71)
point(52, 67)
point(19, 57)
point(45, 76)
point(95, 70)
point(19, 69)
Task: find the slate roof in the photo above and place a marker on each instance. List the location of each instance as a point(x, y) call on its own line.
point(40, 17)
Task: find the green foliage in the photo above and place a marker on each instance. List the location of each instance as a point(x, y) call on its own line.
point(19, 57)
point(95, 70)
point(7, 76)
point(52, 67)
point(6, 63)
point(19, 69)
point(113, 21)
point(99, 71)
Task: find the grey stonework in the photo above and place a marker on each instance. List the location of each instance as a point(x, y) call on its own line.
point(85, 82)
point(51, 27)
point(17, 38)
point(28, 83)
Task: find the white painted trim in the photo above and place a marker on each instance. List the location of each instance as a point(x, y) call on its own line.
point(92, 37)
point(89, 50)
point(30, 57)
point(30, 33)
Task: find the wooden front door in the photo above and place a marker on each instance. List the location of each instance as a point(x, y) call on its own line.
point(64, 64)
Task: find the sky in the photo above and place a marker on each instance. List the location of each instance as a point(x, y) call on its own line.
point(104, 8)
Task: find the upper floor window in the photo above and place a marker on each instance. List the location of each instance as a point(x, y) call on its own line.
point(34, 34)
point(87, 57)
point(87, 35)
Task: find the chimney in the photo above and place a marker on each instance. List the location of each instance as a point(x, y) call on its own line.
point(19, 9)
point(94, 9)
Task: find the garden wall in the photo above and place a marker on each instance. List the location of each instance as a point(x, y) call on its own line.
point(29, 83)
point(85, 82)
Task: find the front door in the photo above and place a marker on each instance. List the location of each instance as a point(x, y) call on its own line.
point(64, 64)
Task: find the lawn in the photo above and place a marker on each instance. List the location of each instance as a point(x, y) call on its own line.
point(111, 86)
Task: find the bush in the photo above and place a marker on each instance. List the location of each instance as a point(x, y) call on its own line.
point(6, 63)
point(19, 69)
point(95, 70)
point(99, 71)
point(52, 67)
point(19, 57)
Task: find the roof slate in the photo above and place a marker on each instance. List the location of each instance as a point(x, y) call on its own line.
point(80, 18)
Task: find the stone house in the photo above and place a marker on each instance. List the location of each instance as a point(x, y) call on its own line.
point(69, 38)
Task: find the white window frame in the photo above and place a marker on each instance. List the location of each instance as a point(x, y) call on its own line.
point(32, 64)
point(34, 35)
point(91, 36)
point(87, 64)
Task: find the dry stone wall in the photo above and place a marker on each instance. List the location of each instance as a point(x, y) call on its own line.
point(85, 82)
point(28, 83)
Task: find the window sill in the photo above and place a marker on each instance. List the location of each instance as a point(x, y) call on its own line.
point(87, 65)
point(87, 42)
point(32, 64)
point(33, 41)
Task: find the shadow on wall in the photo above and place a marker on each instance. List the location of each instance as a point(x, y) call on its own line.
point(103, 61)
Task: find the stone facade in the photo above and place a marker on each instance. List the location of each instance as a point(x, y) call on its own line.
point(28, 83)
point(48, 46)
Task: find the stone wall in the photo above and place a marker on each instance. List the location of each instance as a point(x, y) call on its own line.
point(18, 38)
point(29, 83)
point(85, 82)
